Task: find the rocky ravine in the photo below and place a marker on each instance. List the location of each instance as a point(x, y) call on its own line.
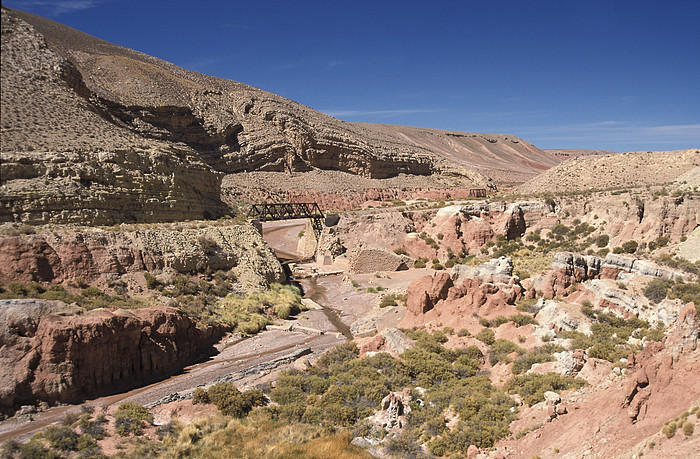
point(96, 133)
point(52, 352)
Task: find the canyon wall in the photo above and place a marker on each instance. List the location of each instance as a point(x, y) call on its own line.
point(53, 352)
point(64, 254)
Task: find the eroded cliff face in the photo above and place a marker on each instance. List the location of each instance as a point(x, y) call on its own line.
point(53, 352)
point(63, 161)
point(64, 254)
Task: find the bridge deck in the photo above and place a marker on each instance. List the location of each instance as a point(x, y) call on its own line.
point(284, 211)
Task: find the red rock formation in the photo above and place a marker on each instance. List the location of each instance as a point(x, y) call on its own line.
point(57, 358)
point(455, 304)
point(423, 293)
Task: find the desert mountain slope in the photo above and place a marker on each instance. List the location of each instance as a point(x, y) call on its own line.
point(96, 132)
point(614, 171)
point(504, 158)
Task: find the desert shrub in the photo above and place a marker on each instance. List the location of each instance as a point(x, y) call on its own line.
point(485, 322)
point(630, 246)
point(522, 319)
point(688, 428)
point(62, 437)
point(500, 349)
point(403, 446)
point(371, 290)
point(669, 429)
point(400, 251)
point(419, 264)
point(532, 387)
point(32, 449)
point(541, 354)
point(449, 263)
point(87, 445)
point(92, 292)
point(152, 281)
point(657, 289)
point(527, 305)
point(686, 292)
point(463, 332)
point(602, 240)
point(130, 418)
point(438, 266)
point(200, 396)
point(95, 429)
point(498, 321)
point(486, 336)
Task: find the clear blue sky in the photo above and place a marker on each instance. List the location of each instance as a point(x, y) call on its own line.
point(617, 75)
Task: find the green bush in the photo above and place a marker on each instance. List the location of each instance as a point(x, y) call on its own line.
point(486, 336)
point(500, 349)
point(130, 418)
point(400, 251)
point(657, 289)
point(419, 264)
point(532, 387)
point(63, 438)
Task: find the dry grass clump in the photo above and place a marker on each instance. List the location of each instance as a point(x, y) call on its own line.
point(258, 436)
point(249, 314)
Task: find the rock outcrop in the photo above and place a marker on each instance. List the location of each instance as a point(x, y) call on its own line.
point(457, 299)
point(425, 292)
point(568, 269)
point(51, 354)
point(56, 256)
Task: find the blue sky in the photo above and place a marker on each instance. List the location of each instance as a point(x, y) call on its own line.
point(615, 75)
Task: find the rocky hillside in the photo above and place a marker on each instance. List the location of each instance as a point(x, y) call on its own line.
point(97, 133)
point(504, 158)
point(627, 170)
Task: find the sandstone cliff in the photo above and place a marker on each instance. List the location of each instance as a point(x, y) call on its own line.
point(52, 353)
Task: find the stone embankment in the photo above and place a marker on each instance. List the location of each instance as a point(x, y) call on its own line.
point(64, 254)
point(58, 353)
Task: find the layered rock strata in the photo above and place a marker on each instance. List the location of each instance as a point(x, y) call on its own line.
point(57, 256)
point(569, 269)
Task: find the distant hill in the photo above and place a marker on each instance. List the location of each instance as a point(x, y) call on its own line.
point(93, 132)
point(618, 170)
point(565, 153)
